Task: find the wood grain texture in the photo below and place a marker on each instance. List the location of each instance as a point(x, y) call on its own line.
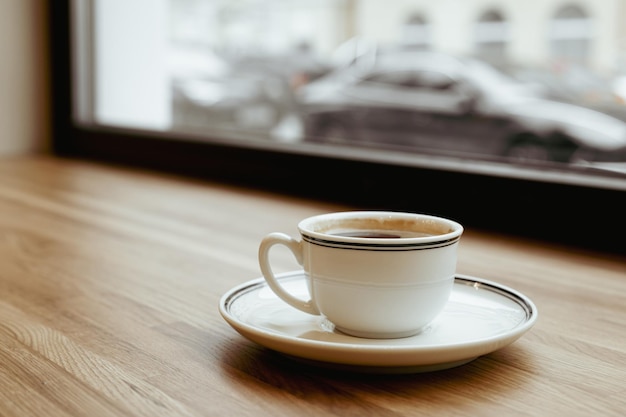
point(110, 280)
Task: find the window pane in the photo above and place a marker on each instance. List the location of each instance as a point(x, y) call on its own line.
point(506, 88)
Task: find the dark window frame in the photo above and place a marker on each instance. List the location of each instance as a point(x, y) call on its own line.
point(580, 215)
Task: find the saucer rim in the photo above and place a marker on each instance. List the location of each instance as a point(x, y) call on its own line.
point(386, 356)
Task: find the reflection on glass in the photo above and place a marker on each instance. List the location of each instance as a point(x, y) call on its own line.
point(451, 78)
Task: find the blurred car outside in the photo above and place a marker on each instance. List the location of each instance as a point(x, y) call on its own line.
point(431, 102)
point(248, 96)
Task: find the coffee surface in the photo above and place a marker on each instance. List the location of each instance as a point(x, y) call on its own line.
point(382, 228)
point(379, 234)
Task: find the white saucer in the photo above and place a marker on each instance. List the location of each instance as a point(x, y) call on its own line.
point(480, 317)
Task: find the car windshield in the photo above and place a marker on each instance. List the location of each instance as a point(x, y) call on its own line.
point(498, 85)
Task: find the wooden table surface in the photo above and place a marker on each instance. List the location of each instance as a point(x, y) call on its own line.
point(109, 287)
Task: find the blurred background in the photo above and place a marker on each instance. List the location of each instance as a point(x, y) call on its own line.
point(537, 83)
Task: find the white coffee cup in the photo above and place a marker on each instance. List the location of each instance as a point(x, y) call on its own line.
point(374, 274)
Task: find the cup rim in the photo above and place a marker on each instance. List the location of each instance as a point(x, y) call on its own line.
point(306, 227)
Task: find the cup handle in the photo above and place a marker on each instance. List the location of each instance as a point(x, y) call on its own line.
point(296, 248)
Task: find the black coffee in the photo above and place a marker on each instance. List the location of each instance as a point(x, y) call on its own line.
point(381, 228)
point(368, 234)
point(379, 234)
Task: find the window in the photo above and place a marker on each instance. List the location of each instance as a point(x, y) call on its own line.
point(491, 37)
point(416, 32)
point(272, 94)
point(570, 36)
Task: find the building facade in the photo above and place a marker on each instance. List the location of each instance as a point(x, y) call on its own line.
point(587, 33)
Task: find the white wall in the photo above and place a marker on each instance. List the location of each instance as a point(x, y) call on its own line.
point(24, 119)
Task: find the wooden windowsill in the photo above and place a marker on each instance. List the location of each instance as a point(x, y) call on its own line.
point(110, 280)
